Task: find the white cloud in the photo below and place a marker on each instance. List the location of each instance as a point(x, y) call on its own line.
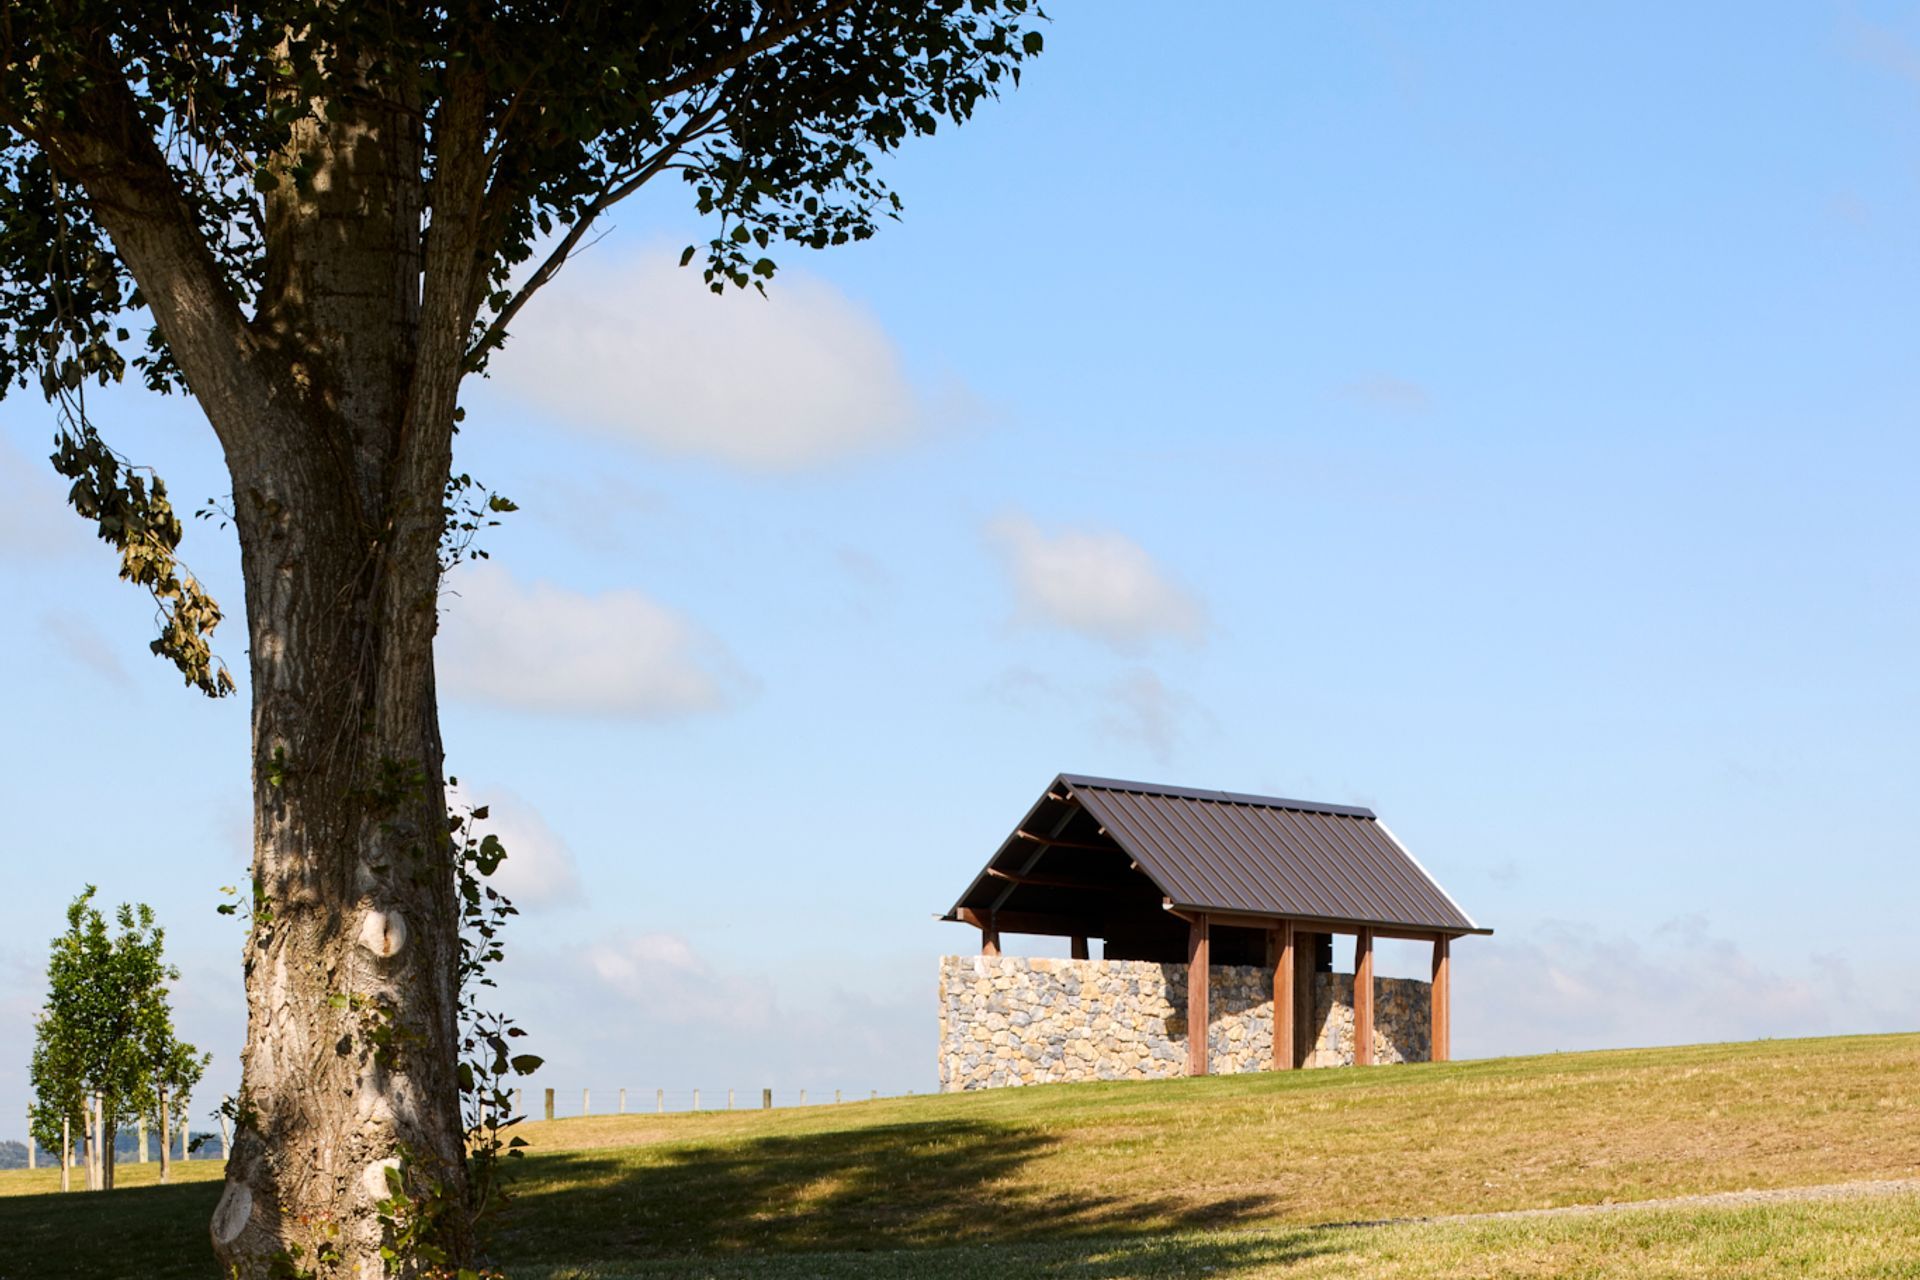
point(641, 350)
point(542, 647)
point(1565, 986)
point(540, 870)
point(1097, 582)
point(666, 981)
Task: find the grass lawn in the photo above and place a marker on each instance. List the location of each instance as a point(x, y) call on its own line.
point(1182, 1177)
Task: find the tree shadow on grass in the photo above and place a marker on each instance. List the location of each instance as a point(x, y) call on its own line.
point(141, 1233)
point(911, 1186)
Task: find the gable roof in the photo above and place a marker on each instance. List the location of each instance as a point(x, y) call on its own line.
point(1223, 852)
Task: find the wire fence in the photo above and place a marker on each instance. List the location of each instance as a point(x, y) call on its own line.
point(570, 1104)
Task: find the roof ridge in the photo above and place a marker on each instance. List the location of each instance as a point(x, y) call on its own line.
point(1218, 797)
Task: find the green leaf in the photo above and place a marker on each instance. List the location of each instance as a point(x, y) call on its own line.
point(525, 1064)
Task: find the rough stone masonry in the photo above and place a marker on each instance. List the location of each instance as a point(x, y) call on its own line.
point(1006, 1020)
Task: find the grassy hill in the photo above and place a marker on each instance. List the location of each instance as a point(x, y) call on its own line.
point(1227, 1176)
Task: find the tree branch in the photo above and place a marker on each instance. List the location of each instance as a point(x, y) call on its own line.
point(550, 266)
point(108, 152)
point(759, 44)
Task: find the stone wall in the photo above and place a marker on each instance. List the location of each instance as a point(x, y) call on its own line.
point(1005, 1020)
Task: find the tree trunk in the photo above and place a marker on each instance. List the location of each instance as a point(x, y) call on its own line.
point(352, 958)
point(66, 1154)
point(334, 405)
point(166, 1138)
point(109, 1149)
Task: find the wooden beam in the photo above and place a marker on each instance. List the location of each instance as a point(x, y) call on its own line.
point(1079, 946)
point(1363, 998)
point(1281, 940)
point(1306, 1010)
point(1240, 920)
point(1055, 842)
point(989, 940)
point(1440, 1027)
point(1197, 984)
point(1045, 881)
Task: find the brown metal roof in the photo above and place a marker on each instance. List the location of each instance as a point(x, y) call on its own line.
point(1225, 852)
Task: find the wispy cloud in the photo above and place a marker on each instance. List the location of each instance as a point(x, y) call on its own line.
point(1383, 391)
point(1565, 986)
point(1097, 582)
point(1141, 708)
point(34, 521)
point(542, 647)
point(78, 639)
point(639, 349)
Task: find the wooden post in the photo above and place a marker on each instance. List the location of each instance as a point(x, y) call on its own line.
point(803, 1097)
point(549, 1104)
point(766, 1099)
point(696, 1099)
point(1197, 961)
point(1282, 943)
point(1079, 946)
point(1306, 1004)
point(660, 1101)
point(990, 939)
point(586, 1103)
point(1363, 998)
point(623, 1102)
point(1440, 1020)
point(729, 1099)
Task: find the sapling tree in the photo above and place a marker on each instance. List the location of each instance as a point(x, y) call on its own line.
point(317, 218)
point(104, 1043)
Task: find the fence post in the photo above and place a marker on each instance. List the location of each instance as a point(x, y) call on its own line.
point(696, 1099)
point(549, 1104)
point(803, 1097)
point(729, 1099)
point(586, 1108)
point(836, 1095)
point(660, 1101)
point(874, 1096)
point(623, 1102)
point(766, 1099)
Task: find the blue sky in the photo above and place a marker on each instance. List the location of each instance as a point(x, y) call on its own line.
point(1498, 415)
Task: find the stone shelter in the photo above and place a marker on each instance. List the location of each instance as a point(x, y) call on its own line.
point(1216, 910)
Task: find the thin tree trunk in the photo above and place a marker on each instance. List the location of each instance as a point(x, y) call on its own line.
point(93, 1142)
point(66, 1154)
point(109, 1149)
point(166, 1138)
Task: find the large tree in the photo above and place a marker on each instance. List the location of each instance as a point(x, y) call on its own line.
point(317, 217)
